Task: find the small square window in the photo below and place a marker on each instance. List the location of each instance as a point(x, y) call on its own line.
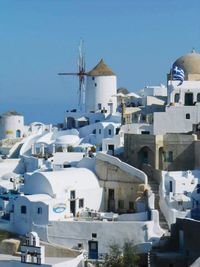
point(80, 245)
point(187, 116)
point(94, 235)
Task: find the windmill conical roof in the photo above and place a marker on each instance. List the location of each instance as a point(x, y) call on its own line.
point(101, 69)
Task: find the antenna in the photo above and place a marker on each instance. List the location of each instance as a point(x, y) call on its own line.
point(81, 74)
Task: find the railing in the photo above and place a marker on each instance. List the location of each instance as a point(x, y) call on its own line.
point(100, 257)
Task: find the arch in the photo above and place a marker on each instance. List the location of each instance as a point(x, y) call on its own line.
point(70, 123)
point(145, 156)
point(18, 133)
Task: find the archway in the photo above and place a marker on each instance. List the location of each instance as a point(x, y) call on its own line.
point(145, 156)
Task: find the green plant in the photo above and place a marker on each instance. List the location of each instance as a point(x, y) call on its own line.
point(122, 257)
point(114, 257)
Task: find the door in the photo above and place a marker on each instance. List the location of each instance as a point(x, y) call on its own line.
point(73, 202)
point(93, 250)
point(18, 133)
point(189, 99)
point(111, 149)
point(111, 200)
point(170, 186)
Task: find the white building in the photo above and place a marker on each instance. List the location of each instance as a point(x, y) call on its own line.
point(182, 113)
point(100, 90)
point(11, 125)
point(100, 100)
point(180, 195)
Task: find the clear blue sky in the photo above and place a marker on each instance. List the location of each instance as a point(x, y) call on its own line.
point(138, 39)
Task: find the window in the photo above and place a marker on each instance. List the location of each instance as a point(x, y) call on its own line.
point(73, 194)
point(94, 131)
point(131, 205)
point(117, 130)
point(198, 188)
point(80, 245)
point(95, 84)
point(176, 98)
point(23, 209)
point(39, 210)
point(120, 204)
point(145, 132)
point(94, 235)
point(99, 131)
point(168, 156)
point(81, 203)
point(93, 78)
point(111, 194)
point(198, 97)
point(99, 106)
point(187, 116)
point(109, 131)
point(189, 99)
point(145, 157)
point(66, 165)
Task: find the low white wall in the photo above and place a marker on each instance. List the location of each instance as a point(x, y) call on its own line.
point(170, 213)
point(71, 233)
point(139, 216)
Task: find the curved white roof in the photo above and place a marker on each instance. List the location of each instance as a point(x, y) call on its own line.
point(67, 140)
point(59, 182)
point(9, 175)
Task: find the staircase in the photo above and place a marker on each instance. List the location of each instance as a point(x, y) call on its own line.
point(154, 186)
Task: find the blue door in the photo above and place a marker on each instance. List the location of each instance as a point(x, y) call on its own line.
point(18, 133)
point(93, 250)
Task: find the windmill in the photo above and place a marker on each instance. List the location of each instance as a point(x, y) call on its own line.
point(81, 74)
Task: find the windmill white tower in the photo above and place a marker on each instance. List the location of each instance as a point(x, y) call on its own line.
point(101, 87)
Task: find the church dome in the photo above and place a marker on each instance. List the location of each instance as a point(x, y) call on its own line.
point(190, 63)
